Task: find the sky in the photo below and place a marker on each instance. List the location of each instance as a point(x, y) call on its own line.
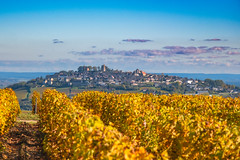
point(157, 36)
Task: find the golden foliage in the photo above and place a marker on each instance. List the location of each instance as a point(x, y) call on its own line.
point(174, 126)
point(9, 110)
point(99, 125)
point(36, 101)
point(73, 133)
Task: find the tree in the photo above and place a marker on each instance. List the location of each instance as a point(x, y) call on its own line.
point(80, 69)
point(71, 73)
point(95, 69)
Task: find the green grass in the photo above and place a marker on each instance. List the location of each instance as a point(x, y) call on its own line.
point(27, 121)
point(224, 94)
point(21, 94)
point(63, 90)
point(27, 115)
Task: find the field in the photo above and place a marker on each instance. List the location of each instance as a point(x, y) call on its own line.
point(100, 125)
point(21, 94)
point(40, 90)
point(167, 127)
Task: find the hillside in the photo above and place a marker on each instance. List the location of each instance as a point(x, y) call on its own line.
point(10, 78)
point(102, 78)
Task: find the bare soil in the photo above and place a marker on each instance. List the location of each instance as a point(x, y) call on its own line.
point(23, 142)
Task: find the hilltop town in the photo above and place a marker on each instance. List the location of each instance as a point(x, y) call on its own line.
point(104, 77)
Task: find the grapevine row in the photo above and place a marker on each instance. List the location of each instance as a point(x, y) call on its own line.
point(73, 133)
point(174, 126)
point(35, 102)
point(9, 110)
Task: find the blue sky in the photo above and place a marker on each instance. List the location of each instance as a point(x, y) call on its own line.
point(201, 36)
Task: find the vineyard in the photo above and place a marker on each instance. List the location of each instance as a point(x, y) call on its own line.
point(174, 126)
point(9, 109)
point(73, 133)
point(98, 125)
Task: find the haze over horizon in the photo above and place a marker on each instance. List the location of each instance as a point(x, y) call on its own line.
point(153, 35)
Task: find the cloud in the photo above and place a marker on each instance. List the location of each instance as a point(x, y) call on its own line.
point(109, 51)
point(57, 41)
point(217, 56)
point(85, 53)
point(201, 62)
point(218, 48)
point(137, 40)
point(173, 47)
point(214, 39)
point(195, 50)
point(184, 50)
point(233, 53)
point(167, 51)
point(142, 53)
point(234, 62)
point(203, 47)
point(129, 53)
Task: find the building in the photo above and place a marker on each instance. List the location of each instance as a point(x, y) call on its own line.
point(103, 68)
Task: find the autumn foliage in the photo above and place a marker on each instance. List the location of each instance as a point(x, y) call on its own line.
point(73, 133)
point(174, 126)
point(36, 102)
point(9, 110)
point(99, 125)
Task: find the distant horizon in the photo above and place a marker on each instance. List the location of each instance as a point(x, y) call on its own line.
point(122, 70)
point(227, 78)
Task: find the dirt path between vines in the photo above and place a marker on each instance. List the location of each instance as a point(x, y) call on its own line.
point(23, 142)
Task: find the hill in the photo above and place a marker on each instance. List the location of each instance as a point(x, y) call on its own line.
point(102, 78)
point(9, 78)
point(232, 79)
